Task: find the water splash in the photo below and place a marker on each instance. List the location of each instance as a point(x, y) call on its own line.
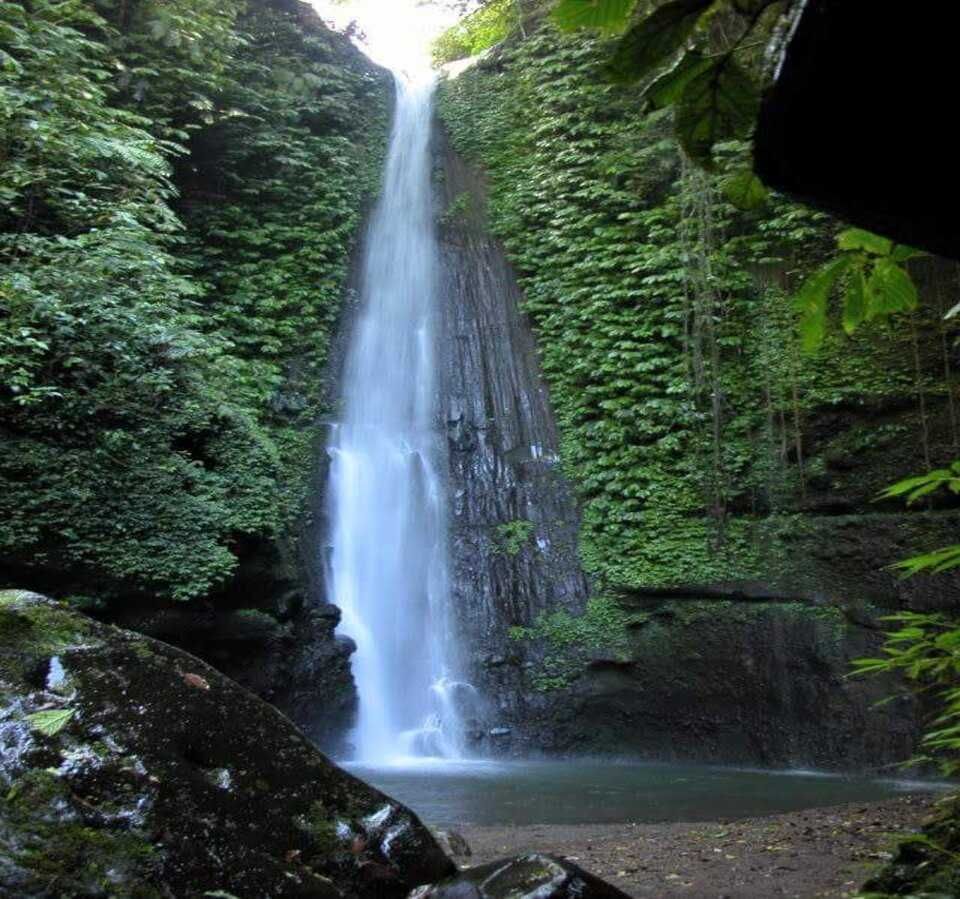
point(389, 569)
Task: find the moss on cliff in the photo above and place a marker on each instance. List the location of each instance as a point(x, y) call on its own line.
point(179, 208)
point(706, 448)
point(699, 435)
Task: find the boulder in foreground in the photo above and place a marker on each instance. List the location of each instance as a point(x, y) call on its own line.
point(534, 876)
point(131, 769)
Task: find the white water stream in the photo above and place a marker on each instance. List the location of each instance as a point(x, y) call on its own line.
point(389, 569)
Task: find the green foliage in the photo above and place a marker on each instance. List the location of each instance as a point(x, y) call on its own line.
point(718, 104)
point(175, 218)
point(50, 722)
point(919, 486)
point(488, 25)
point(869, 271)
point(703, 70)
point(512, 536)
point(568, 639)
point(458, 210)
point(913, 489)
point(935, 562)
point(664, 32)
point(926, 650)
point(745, 190)
point(695, 55)
point(685, 405)
point(600, 14)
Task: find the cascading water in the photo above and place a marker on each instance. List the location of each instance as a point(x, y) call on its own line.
point(389, 569)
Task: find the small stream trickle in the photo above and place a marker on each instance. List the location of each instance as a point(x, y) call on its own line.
point(389, 570)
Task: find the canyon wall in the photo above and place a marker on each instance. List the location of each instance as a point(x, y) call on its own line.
point(725, 481)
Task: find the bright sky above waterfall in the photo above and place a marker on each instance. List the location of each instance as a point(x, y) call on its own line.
point(399, 32)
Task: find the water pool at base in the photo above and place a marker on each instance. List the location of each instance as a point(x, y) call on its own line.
point(449, 793)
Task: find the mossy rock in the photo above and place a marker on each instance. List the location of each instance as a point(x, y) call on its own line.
point(162, 777)
point(927, 864)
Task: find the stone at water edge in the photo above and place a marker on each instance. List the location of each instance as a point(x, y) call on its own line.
point(534, 876)
point(149, 774)
point(452, 842)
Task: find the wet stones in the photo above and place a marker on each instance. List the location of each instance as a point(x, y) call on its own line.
point(534, 876)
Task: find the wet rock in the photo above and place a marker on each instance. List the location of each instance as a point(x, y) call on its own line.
point(504, 444)
point(737, 682)
point(453, 843)
point(534, 876)
point(318, 694)
point(131, 768)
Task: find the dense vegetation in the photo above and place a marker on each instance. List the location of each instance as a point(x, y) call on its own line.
point(692, 418)
point(178, 207)
point(473, 34)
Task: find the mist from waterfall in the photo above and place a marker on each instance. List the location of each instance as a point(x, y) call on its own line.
point(389, 566)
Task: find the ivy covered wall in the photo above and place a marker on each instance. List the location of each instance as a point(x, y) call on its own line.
point(178, 209)
point(715, 460)
point(690, 415)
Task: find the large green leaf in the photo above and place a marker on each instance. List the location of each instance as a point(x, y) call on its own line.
point(607, 15)
point(901, 253)
point(654, 40)
point(716, 105)
point(50, 722)
point(666, 89)
point(890, 290)
point(858, 239)
point(745, 190)
point(811, 301)
point(854, 302)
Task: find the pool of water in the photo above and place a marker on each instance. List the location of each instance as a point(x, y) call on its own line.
point(601, 792)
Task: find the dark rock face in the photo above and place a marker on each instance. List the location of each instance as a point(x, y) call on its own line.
point(533, 876)
point(271, 638)
point(514, 518)
point(132, 769)
point(319, 695)
point(830, 45)
point(739, 683)
point(759, 673)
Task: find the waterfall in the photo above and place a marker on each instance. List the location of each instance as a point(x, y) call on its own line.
point(389, 566)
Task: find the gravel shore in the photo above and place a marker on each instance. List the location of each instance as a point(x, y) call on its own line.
point(822, 852)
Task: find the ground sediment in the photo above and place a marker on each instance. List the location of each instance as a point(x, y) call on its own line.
point(811, 854)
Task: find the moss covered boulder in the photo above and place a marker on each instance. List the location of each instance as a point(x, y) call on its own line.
point(129, 768)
